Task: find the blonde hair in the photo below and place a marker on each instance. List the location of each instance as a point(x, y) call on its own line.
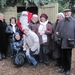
point(1, 14)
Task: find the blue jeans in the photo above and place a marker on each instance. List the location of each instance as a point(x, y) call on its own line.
point(31, 59)
point(11, 49)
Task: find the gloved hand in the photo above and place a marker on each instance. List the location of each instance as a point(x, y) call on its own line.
point(30, 51)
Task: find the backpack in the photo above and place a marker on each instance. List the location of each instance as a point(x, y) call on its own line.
point(19, 58)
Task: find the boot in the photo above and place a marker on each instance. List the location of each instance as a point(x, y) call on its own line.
point(3, 56)
point(0, 56)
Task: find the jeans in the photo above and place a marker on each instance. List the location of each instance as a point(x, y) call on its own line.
point(31, 59)
point(11, 49)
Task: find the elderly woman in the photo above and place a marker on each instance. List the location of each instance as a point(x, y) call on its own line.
point(2, 38)
point(43, 30)
point(31, 45)
point(34, 21)
point(57, 50)
point(11, 29)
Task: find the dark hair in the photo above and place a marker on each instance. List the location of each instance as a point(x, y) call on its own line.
point(12, 18)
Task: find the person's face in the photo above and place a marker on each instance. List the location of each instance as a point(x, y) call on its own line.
point(1, 17)
point(42, 19)
point(67, 14)
point(35, 19)
point(13, 21)
point(25, 31)
point(17, 37)
point(59, 18)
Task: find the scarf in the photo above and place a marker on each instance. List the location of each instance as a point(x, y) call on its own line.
point(13, 25)
point(42, 29)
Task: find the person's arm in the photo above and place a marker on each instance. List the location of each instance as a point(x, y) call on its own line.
point(49, 29)
point(8, 30)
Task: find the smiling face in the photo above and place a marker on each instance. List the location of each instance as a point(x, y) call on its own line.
point(34, 19)
point(59, 17)
point(42, 19)
point(1, 16)
point(17, 37)
point(67, 14)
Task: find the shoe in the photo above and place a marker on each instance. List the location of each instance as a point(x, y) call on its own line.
point(30, 64)
point(46, 63)
point(0, 56)
point(62, 70)
point(56, 65)
point(35, 65)
point(3, 56)
point(60, 67)
point(41, 61)
point(67, 72)
point(12, 57)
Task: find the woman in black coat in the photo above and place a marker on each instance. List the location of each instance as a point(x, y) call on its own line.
point(2, 38)
point(57, 48)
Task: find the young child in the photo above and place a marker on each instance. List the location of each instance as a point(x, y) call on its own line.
point(18, 43)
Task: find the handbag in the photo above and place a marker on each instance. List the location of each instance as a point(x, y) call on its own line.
point(36, 52)
point(19, 59)
point(70, 42)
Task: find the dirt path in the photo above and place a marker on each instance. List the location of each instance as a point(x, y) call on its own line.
point(7, 68)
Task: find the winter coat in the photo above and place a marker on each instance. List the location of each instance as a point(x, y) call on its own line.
point(48, 32)
point(32, 25)
point(32, 41)
point(9, 31)
point(2, 37)
point(18, 44)
point(66, 29)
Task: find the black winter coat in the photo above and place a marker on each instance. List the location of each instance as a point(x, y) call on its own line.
point(2, 38)
point(9, 31)
point(66, 29)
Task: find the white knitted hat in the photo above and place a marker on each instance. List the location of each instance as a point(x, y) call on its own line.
point(35, 15)
point(60, 14)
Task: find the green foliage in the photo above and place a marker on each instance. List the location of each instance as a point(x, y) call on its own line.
point(62, 3)
point(2, 4)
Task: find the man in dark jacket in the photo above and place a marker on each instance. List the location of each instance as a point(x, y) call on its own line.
point(66, 31)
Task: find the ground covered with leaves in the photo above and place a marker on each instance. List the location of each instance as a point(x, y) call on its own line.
point(8, 68)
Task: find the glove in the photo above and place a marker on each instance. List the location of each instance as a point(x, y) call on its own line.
point(31, 52)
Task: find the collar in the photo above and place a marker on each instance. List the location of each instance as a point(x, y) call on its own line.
point(13, 25)
point(67, 19)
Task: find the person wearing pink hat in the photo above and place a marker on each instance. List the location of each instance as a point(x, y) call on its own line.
point(43, 30)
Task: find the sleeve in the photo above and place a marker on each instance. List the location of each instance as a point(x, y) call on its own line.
point(49, 29)
point(8, 30)
point(15, 47)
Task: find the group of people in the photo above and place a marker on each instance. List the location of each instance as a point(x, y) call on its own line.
point(34, 36)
